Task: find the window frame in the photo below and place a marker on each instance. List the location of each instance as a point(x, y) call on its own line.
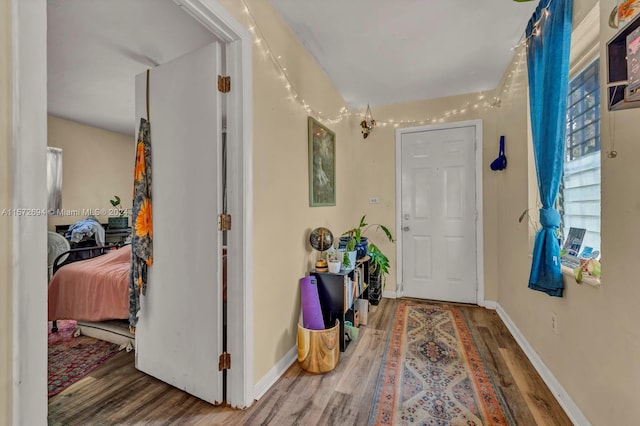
point(580, 104)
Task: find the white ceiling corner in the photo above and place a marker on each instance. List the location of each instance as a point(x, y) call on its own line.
point(95, 48)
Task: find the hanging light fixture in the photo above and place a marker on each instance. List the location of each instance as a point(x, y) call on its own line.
point(367, 123)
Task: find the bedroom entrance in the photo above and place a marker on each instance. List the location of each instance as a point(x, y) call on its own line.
point(438, 206)
point(29, 57)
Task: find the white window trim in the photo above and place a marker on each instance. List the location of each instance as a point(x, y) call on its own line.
point(585, 48)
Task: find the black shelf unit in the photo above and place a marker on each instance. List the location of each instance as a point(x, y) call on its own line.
point(332, 293)
point(617, 75)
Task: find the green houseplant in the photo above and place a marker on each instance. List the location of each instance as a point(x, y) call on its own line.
point(350, 248)
point(589, 267)
point(120, 221)
point(379, 262)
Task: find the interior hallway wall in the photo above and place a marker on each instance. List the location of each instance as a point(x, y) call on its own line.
point(595, 353)
point(282, 216)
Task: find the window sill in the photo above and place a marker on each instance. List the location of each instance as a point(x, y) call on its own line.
point(586, 279)
point(568, 276)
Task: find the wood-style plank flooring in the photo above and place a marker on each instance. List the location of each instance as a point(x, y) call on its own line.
point(118, 394)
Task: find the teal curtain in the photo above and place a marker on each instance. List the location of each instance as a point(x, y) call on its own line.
point(548, 42)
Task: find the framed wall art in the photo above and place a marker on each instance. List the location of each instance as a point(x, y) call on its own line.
point(322, 165)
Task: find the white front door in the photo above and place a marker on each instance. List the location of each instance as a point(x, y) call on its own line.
point(438, 214)
point(179, 333)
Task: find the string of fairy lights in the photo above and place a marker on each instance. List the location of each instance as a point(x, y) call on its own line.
point(483, 99)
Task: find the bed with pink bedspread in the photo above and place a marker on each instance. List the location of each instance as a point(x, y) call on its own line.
point(93, 290)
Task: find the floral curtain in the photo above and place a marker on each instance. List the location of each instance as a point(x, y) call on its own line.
point(142, 222)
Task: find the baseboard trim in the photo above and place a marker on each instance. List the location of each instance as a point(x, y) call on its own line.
point(389, 294)
point(489, 304)
point(275, 373)
point(573, 411)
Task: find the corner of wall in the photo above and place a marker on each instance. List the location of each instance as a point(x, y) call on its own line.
point(6, 294)
point(272, 376)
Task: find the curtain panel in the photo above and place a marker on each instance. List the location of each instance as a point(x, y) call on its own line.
point(548, 36)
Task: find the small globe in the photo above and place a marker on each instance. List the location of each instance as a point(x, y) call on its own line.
point(321, 239)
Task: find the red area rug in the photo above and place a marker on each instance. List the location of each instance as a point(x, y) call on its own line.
point(433, 374)
point(72, 358)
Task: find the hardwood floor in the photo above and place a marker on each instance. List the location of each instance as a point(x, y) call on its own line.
point(118, 394)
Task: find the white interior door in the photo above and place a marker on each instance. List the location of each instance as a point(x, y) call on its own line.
point(439, 214)
point(179, 333)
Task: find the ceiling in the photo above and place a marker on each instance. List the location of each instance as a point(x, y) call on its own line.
point(391, 51)
point(95, 48)
point(374, 51)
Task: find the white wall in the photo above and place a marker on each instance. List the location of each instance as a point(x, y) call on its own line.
point(96, 165)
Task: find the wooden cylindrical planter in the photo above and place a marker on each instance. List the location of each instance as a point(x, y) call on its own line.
point(319, 350)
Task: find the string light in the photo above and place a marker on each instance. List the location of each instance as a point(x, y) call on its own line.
point(294, 95)
point(262, 43)
point(536, 27)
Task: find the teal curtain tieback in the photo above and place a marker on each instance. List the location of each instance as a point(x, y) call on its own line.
point(549, 218)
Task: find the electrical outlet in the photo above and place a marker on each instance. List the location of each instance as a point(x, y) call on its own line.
point(374, 200)
point(554, 322)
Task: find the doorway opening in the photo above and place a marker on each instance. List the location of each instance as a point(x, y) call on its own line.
point(29, 57)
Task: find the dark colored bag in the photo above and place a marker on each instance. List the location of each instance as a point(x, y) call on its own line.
point(500, 163)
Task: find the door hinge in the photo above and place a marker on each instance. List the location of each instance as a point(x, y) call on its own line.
point(224, 361)
point(224, 83)
point(224, 222)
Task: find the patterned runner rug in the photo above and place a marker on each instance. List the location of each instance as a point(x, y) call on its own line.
point(433, 374)
point(72, 358)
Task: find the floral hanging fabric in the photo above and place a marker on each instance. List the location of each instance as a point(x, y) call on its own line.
point(142, 223)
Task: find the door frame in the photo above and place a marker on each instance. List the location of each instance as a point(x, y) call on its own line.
point(478, 175)
point(29, 141)
point(239, 42)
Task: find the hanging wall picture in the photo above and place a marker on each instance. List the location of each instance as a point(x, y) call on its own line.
point(322, 165)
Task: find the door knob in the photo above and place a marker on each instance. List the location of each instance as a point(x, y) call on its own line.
point(405, 229)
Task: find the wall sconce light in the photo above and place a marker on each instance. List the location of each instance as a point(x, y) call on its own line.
point(367, 123)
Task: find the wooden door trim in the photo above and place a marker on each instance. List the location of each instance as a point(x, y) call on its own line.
point(238, 50)
point(479, 194)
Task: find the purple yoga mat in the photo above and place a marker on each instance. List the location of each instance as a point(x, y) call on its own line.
point(311, 312)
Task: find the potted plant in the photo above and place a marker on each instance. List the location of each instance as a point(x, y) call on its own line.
point(378, 271)
point(121, 221)
point(587, 266)
point(350, 255)
point(334, 260)
point(378, 263)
